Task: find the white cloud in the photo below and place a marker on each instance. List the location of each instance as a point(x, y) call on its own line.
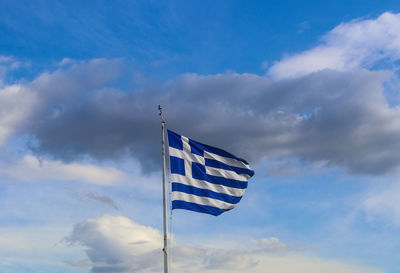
point(31, 168)
point(359, 43)
point(66, 61)
point(383, 204)
point(35, 245)
point(6, 59)
point(116, 244)
point(307, 264)
point(8, 64)
point(16, 105)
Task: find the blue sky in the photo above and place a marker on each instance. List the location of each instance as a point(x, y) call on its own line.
point(307, 92)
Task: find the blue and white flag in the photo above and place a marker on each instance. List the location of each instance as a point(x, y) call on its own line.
point(204, 178)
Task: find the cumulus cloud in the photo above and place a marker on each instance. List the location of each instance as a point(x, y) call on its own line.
point(116, 244)
point(317, 118)
point(332, 117)
point(359, 43)
point(31, 168)
point(26, 104)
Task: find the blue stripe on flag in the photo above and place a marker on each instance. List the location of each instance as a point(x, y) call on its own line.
point(205, 193)
point(218, 164)
point(199, 172)
point(203, 147)
point(198, 148)
point(195, 149)
point(179, 204)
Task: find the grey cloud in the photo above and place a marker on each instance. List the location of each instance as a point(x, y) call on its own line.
point(341, 118)
point(29, 104)
point(101, 199)
point(109, 269)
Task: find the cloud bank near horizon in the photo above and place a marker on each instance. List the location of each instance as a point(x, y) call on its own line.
point(117, 244)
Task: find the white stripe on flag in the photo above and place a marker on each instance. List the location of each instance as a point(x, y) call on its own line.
point(227, 160)
point(177, 195)
point(201, 184)
point(226, 173)
point(187, 150)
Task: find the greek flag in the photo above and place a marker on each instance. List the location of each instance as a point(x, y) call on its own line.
point(204, 178)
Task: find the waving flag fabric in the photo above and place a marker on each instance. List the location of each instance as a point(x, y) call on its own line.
point(204, 178)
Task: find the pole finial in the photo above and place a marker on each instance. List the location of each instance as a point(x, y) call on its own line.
point(160, 113)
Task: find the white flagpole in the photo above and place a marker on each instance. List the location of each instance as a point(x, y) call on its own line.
point(165, 249)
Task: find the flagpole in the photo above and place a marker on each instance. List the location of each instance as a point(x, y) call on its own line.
point(165, 249)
